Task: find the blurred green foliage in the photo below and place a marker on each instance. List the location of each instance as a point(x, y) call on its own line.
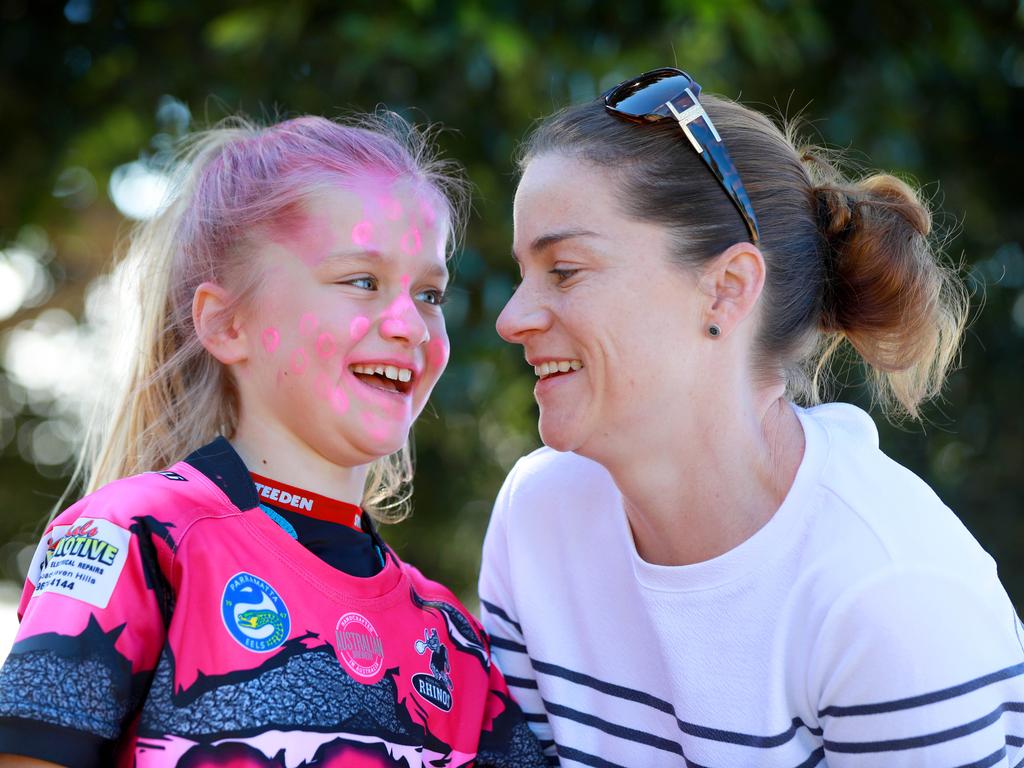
point(931, 90)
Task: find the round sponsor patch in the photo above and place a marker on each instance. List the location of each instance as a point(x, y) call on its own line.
point(359, 645)
point(254, 614)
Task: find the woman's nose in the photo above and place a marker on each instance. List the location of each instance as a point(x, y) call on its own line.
point(522, 315)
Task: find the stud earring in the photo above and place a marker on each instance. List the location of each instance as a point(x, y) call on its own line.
point(714, 330)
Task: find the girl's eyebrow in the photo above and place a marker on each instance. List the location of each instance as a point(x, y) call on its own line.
point(434, 269)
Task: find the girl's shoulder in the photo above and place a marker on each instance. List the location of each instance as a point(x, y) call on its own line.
point(174, 497)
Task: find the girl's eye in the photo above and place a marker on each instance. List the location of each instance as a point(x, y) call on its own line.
point(366, 283)
point(433, 296)
point(562, 274)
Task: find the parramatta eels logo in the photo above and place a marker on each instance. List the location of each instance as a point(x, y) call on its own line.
point(437, 686)
point(254, 614)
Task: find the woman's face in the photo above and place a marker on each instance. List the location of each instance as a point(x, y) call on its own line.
point(599, 296)
point(346, 335)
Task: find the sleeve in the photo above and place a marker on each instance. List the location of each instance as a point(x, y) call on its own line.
point(497, 607)
point(92, 628)
point(918, 668)
point(506, 740)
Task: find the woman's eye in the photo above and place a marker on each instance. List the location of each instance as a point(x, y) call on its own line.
point(366, 283)
point(562, 274)
point(433, 296)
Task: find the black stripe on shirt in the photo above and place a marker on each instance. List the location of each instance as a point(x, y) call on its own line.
point(587, 759)
point(500, 613)
point(613, 729)
point(691, 729)
point(926, 698)
point(916, 742)
point(987, 762)
point(520, 682)
point(509, 645)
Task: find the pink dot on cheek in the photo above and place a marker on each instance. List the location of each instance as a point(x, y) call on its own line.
point(338, 400)
point(325, 345)
point(299, 361)
point(308, 323)
point(271, 338)
point(377, 431)
point(437, 353)
point(362, 233)
point(358, 327)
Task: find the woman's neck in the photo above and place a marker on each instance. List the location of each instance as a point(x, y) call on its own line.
point(710, 485)
point(280, 456)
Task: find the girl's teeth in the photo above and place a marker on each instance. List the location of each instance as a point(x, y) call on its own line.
point(392, 372)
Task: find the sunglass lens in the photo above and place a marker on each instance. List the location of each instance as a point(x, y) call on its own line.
point(648, 94)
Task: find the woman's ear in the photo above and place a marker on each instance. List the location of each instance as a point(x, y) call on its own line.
point(221, 333)
point(733, 282)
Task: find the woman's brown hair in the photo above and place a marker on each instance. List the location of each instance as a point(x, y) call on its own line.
point(847, 261)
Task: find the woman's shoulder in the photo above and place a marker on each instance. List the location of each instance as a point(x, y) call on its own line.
point(888, 499)
point(547, 481)
point(546, 469)
point(874, 516)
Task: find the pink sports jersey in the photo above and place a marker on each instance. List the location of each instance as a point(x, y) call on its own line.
point(168, 621)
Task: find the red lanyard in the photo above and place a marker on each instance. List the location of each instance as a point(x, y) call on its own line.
point(307, 503)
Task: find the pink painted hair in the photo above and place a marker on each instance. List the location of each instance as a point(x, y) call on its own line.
point(232, 181)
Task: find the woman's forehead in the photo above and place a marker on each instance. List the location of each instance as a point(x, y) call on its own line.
point(562, 194)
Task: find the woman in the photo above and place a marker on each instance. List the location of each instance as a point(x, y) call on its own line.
point(695, 570)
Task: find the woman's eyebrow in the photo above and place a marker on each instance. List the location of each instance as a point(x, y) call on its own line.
point(543, 242)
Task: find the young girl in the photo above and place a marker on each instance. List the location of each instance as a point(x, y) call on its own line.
point(229, 601)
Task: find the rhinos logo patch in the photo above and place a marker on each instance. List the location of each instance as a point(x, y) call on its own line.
point(254, 614)
point(437, 686)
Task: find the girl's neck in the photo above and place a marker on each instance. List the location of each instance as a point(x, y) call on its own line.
point(278, 455)
point(712, 485)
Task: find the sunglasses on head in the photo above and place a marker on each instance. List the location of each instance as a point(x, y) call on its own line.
point(671, 94)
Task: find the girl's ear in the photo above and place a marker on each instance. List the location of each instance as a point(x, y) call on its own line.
point(222, 334)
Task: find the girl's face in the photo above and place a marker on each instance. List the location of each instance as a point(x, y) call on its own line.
point(346, 336)
point(611, 326)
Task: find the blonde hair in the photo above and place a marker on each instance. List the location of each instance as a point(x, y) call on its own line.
point(230, 180)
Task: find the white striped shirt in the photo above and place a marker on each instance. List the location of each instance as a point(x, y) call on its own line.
point(861, 626)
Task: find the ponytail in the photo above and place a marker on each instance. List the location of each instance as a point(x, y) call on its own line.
point(885, 290)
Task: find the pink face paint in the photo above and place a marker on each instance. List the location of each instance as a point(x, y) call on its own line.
point(307, 323)
point(437, 353)
point(427, 214)
point(362, 233)
point(271, 338)
point(372, 424)
point(339, 400)
point(412, 242)
point(393, 322)
point(358, 327)
point(325, 345)
point(299, 362)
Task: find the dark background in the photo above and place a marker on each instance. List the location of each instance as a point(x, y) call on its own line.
point(931, 90)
